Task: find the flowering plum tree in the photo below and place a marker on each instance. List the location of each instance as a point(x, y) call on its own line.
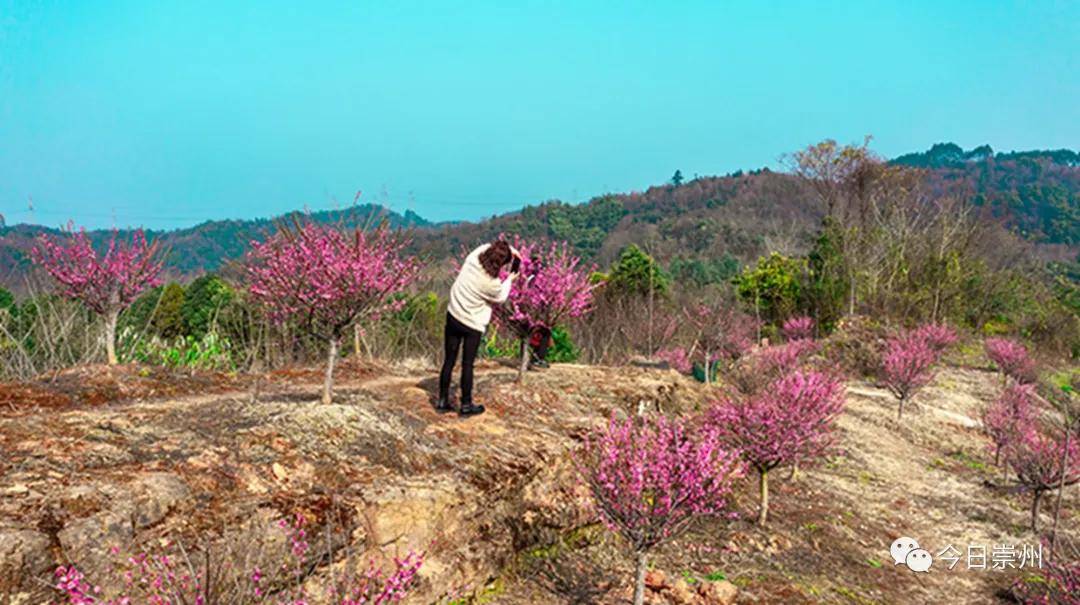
point(327, 279)
point(790, 422)
point(553, 286)
point(650, 478)
point(1010, 416)
point(906, 367)
point(105, 283)
point(1043, 462)
point(1011, 359)
point(722, 333)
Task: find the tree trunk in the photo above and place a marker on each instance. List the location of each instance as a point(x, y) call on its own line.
point(524, 360)
point(1035, 500)
point(763, 486)
point(356, 341)
point(1061, 488)
point(331, 358)
point(110, 335)
point(900, 409)
point(708, 373)
point(639, 581)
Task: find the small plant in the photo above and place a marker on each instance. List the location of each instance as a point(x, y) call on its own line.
point(1010, 416)
point(1011, 358)
point(1042, 462)
point(651, 478)
point(786, 424)
point(105, 283)
point(906, 367)
point(937, 337)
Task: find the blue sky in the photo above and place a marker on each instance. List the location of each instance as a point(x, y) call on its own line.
point(167, 114)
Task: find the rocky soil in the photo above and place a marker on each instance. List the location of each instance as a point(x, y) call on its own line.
point(492, 500)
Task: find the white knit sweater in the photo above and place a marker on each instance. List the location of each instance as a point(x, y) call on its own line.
point(474, 291)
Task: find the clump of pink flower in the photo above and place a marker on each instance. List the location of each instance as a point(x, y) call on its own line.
point(906, 367)
point(937, 337)
point(1011, 359)
point(776, 359)
point(162, 579)
point(1010, 416)
point(651, 477)
point(789, 422)
point(1057, 583)
point(797, 328)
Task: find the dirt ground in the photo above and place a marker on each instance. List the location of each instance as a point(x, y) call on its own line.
point(194, 453)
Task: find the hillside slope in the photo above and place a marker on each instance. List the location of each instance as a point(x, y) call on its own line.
point(493, 499)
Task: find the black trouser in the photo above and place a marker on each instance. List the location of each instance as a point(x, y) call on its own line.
point(455, 334)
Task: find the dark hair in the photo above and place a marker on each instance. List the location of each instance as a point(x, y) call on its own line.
point(497, 255)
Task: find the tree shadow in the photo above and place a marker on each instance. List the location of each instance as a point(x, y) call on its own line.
point(576, 579)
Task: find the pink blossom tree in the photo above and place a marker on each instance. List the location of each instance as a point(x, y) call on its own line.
point(790, 422)
point(1043, 462)
point(906, 367)
point(106, 283)
point(1010, 416)
point(553, 286)
point(651, 478)
point(722, 333)
point(327, 279)
point(1011, 358)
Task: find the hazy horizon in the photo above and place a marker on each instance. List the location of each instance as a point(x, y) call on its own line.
point(168, 116)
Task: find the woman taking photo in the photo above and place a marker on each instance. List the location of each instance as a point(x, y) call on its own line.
point(475, 290)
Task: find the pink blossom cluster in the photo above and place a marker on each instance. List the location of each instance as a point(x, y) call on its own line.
point(776, 359)
point(105, 283)
point(787, 423)
point(1057, 583)
point(1012, 415)
point(651, 477)
point(797, 328)
point(1011, 359)
point(906, 366)
point(328, 278)
point(677, 358)
point(553, 285)
point(937, 337)
point(162, 580)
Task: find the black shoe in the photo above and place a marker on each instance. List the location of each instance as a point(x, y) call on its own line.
point(470, 409)
point(442, 406)
point(539, 363)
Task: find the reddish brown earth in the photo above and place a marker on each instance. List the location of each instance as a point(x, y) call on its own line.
point(98, 456)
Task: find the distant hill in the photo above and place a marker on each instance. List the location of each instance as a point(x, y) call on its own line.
point(703, 229)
